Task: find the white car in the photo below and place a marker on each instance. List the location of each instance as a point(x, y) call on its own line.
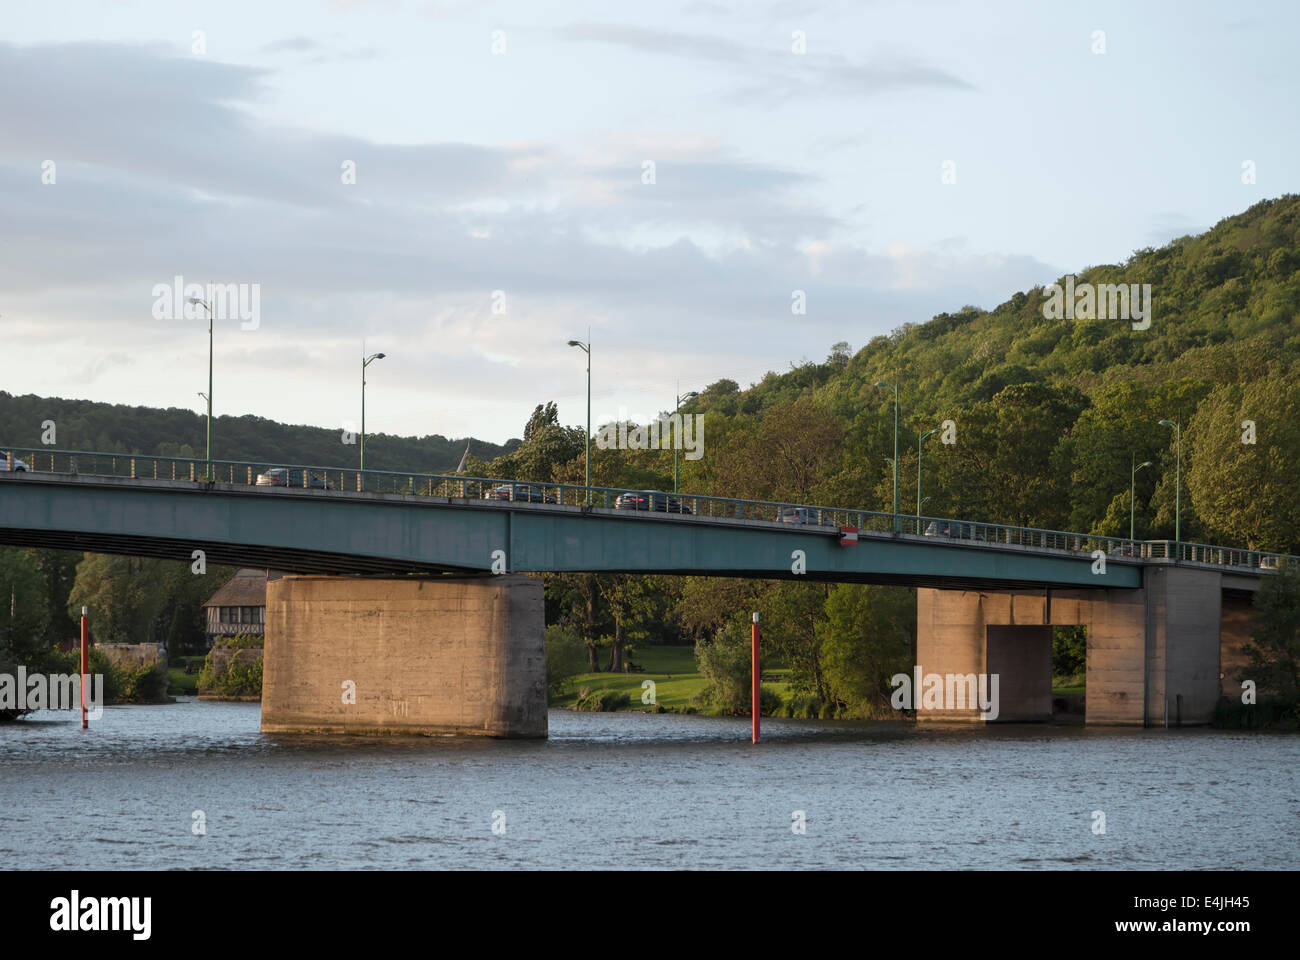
point(18, 464)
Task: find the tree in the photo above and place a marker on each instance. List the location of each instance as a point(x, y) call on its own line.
point(868, 636)
point(1275, 653)
point(24, 615)
point(124, 594)
point(1248, 493)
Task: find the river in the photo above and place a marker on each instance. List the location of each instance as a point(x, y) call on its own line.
point(639, 791)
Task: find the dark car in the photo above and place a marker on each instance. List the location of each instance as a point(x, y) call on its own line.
point(293, 477)
point(799, 515)
point(519, 491)
point(1125, 550)
point(952, 528)
point(18, 464)
point(655, 500)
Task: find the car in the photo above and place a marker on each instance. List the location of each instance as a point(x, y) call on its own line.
point(293, 477)
point(18, 465)
point(799, 515)
point(655, 500)
point(952, 528)
point(519, 491)
point(1125, 550)
point(1269, 563)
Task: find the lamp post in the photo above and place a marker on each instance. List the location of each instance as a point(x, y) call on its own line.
point(204, 305)
point(881, 383)
point(365, 362)
point(678, 428)
point(1178, 485)
point(586, 348)
point(920, 443)
point(1132, 490)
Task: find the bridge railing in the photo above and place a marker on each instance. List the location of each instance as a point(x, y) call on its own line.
point(460, 487)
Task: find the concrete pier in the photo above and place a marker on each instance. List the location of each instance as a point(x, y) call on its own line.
point(437, 655)
point(1151, 652)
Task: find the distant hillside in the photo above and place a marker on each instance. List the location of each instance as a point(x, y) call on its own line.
point(1047, 414)
point(175, 432)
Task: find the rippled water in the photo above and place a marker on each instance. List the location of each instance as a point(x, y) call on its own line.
point(631, 790)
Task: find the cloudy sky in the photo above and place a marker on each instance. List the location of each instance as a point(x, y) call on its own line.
point(915, 157)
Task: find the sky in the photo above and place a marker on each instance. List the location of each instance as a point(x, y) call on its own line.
point(466, 186)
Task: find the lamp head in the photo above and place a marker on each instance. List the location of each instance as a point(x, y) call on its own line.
point(1141, 465)
point(1168, 423)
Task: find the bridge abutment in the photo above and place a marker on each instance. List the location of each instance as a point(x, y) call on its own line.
point(442, 655)
point(1149, 650)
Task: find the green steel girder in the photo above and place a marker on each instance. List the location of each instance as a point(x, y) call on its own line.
point(314, 531)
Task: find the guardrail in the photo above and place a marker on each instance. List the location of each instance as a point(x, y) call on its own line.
point(457, 487)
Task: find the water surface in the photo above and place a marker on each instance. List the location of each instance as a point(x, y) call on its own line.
point(638, 791)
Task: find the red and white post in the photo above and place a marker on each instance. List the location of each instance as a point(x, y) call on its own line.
point(85, 719)
point(755, 670)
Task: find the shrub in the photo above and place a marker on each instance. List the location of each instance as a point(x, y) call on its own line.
point(241, 678)
point(601, 701)
point(726, 667)
point(566, 656)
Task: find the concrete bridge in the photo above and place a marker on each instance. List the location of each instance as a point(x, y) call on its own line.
point(410, 592)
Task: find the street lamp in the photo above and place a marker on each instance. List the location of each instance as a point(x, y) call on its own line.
point(204, 305)
point(1178, 485)
point(881, 383)
point(365, 362)
point(678, 428)
point(586, 348)
point(920, 443)
point(1132, 487)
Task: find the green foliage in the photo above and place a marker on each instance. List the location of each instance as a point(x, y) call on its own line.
point(242, 676)
point(566, 656)
point(240, 641)
point(115, 428)
point(1069, 650)
point(1275, 653)
point(123, 682)
point(597, 701)
point(24, 598)
point(866, 638)
point(726, 665)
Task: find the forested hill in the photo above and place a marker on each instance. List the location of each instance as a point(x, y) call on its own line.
point(174, 432)
point(1051, 413)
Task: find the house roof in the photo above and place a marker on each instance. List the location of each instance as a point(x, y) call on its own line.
point(247, 588)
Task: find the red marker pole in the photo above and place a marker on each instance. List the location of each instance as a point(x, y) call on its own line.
point(85, 720)
point(754, 669)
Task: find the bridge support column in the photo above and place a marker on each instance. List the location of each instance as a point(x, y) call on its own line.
point(1148, 649)
point(962, 633)
point(421, 656)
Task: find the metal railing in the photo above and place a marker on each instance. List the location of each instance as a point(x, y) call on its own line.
point(278, 475)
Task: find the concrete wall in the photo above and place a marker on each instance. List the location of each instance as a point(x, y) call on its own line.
point(134, 654)
point(428, 656)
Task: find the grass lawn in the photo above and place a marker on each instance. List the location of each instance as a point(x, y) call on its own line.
point(180, 682)
point(672, 668)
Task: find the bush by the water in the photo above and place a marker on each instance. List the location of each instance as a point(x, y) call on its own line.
point(601, 701)
point(123, 682)
point(725, 664)
point(566, 657)
point(242, 676)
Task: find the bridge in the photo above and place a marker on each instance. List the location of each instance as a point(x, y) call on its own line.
point(980, 585)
